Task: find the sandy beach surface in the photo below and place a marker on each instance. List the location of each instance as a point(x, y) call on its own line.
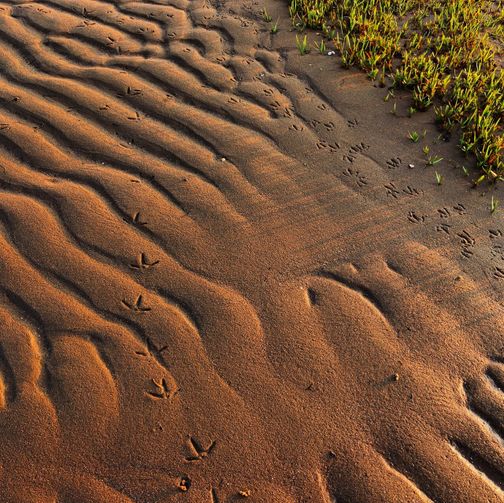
point(226, 273)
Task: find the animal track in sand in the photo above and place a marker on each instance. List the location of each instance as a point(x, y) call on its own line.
point(162, 147)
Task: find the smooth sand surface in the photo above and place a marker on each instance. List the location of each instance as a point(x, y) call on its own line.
point(219, 278)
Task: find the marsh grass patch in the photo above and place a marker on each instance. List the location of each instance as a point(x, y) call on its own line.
point(448, 53)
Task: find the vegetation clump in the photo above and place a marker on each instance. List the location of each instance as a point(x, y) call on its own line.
point(448, 53)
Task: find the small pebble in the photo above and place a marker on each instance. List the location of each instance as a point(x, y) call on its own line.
point(410, 166)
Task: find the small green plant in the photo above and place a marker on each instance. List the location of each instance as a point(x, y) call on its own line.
point(479, 180)
point(274, 28)
point(373, 73)
point(426, 150)
point(433, 159)
point(321, 46)
point(494, 204)
point(414, 136)
point(266, 17)
point(382, 78)
point(302, 44)
point(411, 111)
point(439, 178)
point(465, 170)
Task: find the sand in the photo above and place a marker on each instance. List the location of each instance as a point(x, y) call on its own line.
point(221, 281)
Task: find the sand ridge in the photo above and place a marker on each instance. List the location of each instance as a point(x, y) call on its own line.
point(220, 281)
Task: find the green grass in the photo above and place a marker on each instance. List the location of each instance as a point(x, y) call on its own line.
point(413, 136)
point(432, 160)
point(302, 45)
point(320, 46)
point(446, 52)
point(494, 204)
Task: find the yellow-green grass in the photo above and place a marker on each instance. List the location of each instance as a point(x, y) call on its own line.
point(447, 52)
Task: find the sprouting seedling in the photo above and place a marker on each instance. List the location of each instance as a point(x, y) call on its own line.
point(274, 28)
point(266, 17)
point(465, 170)
point(389, 95)
point(433, 159)
point(479, 180)
point(426, 150)
point(414, 136)
point(382, 78)
point(411, 111)
point(439, 178)
point(302, 44)
point(372, 74)
point(394, 108)
point(321, 47)
point(494, 204)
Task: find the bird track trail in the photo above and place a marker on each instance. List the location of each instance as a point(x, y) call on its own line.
point(210, 282)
